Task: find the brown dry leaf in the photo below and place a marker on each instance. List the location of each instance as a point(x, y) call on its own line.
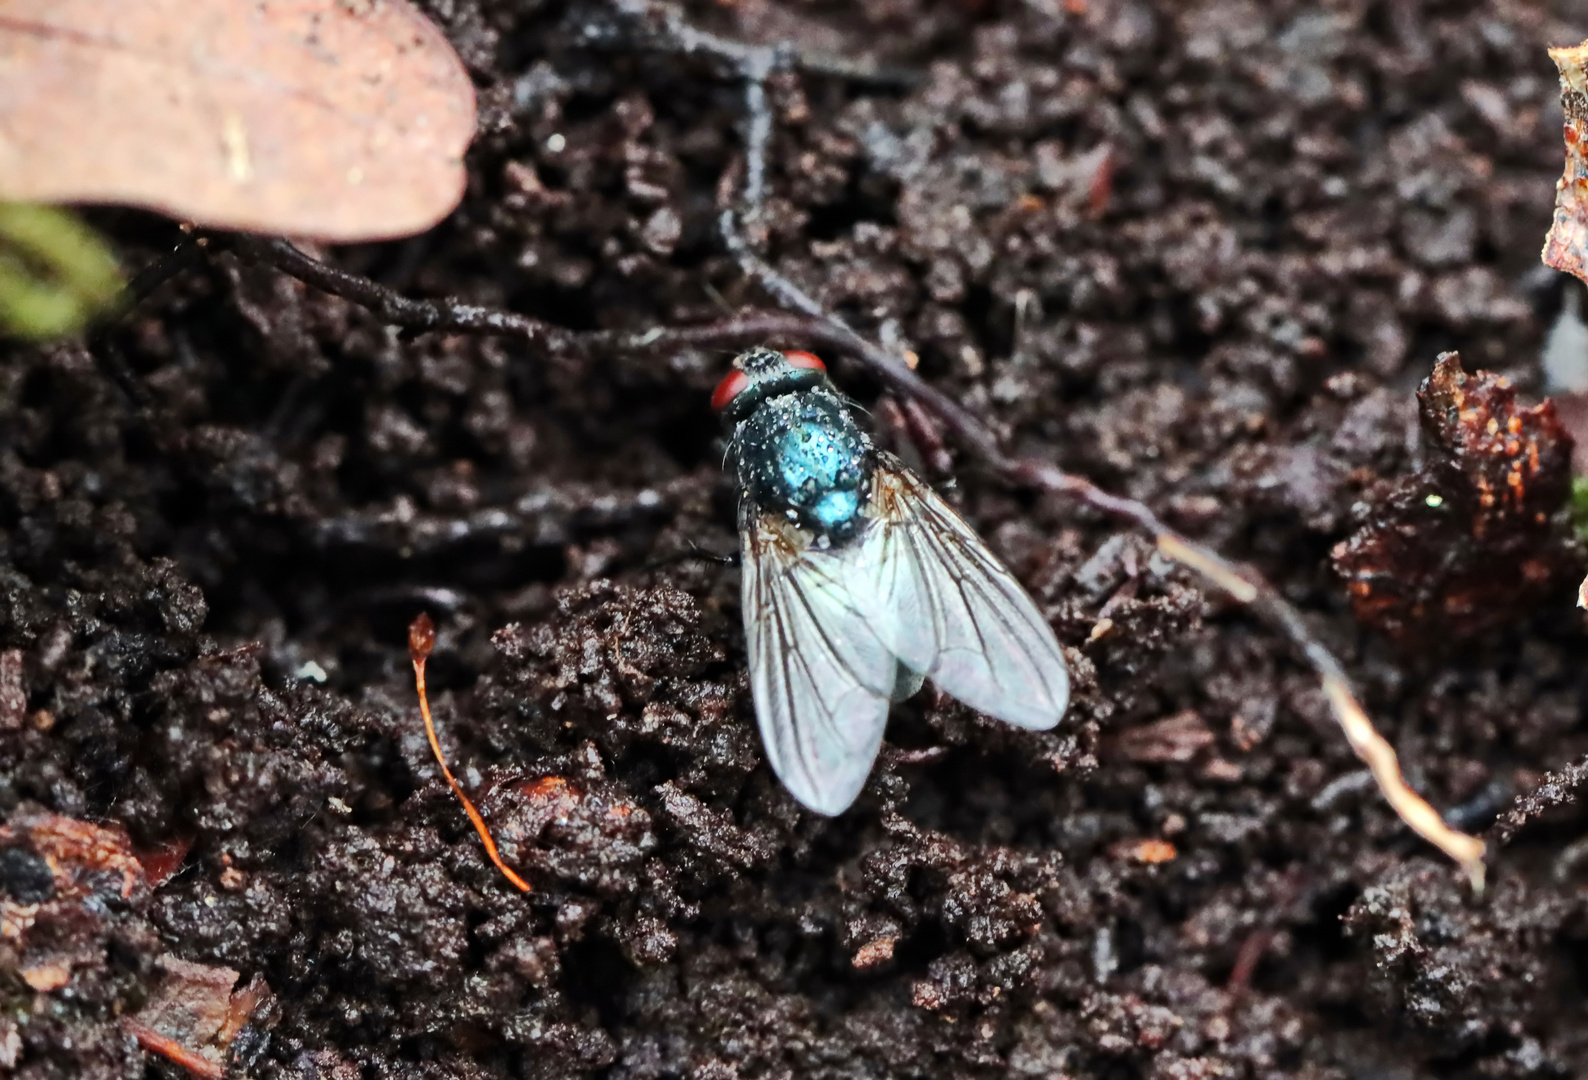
point(335, 119)
point(1470, 542)
point(1566, 245)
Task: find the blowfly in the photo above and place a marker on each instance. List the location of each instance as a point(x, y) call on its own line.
point(859, 584)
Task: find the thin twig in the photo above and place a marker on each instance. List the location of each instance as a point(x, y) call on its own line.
point(1556, 789)
point(193, 249)
point(543, 516)
point(661, 27)
point(393, 307)
point(757, 134)
point(101, 343)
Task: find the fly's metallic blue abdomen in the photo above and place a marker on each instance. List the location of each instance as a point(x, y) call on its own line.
point(802, 452)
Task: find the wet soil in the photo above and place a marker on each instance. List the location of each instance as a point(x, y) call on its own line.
point(1202, 255)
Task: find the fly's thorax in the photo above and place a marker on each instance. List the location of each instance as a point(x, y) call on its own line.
point(802, 454)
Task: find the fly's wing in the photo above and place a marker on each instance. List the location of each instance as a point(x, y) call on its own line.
point(820, 677)
point(947, 608)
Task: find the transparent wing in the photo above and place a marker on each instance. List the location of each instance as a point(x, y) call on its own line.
point(947, 608)
point(820, 677)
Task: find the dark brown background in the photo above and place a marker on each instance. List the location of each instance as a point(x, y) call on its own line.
point(1308, 203)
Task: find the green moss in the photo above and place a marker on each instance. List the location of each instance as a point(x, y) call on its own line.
point(1579, 505)
point(55, 272)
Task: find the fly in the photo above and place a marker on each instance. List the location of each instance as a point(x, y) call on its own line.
point(859, 584)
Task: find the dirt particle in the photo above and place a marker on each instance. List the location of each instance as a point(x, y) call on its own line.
point(25, 877)
point(13, 696)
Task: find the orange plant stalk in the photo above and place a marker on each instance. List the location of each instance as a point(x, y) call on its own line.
point(421, 639)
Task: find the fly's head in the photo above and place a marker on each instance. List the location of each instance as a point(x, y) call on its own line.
point(761, 373)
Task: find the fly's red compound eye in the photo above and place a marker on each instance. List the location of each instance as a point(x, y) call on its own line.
point(729, 388)
point(805, 360)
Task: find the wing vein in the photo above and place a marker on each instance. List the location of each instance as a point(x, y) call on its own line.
point(947, 607)
point(819, 676)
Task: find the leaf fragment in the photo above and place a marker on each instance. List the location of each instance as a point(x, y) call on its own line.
point(55, 272)
point(340, 121)
point(1566, 244)
point(1469, 542)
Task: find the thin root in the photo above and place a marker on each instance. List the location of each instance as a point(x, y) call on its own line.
point(1412, 808)
point(421, 639)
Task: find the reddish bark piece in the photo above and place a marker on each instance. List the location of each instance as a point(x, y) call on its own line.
point(194, 1015)
point(245, 1006)
point(193, 1003)
point(1466, 544)
point(1566, 245)
point(69, 845)
point(160, 862)
point(336, 120)
point(53, 915)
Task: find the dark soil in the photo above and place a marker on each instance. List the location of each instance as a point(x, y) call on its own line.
point(204, 598)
